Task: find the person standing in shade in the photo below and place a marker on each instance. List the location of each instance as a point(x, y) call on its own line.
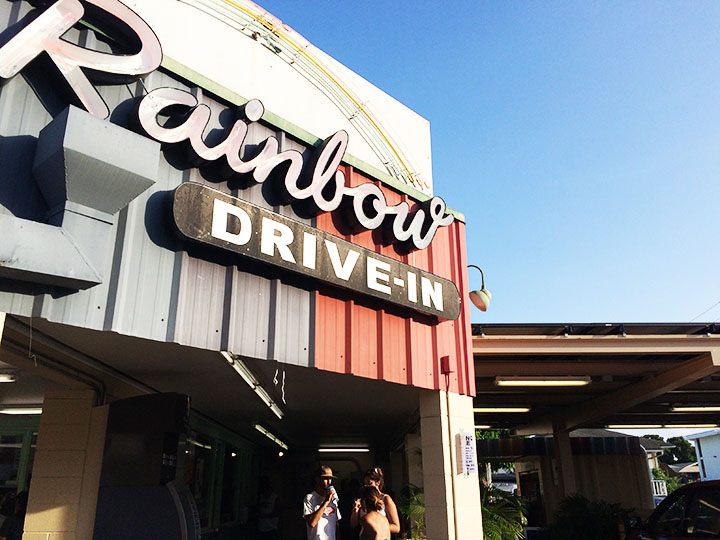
point(320, 508)
point(268, 520)
point(374, 524)
point(374, 477)
point(12, 527)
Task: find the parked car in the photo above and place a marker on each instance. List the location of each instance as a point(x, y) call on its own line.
point(692, 511)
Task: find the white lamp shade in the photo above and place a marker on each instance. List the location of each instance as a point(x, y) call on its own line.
point(481, 298)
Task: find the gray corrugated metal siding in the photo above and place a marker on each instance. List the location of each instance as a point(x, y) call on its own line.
point(156, 286)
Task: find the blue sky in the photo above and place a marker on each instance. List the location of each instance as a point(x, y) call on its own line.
point(580, 139)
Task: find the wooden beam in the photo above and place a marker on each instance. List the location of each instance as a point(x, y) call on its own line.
point(630, 395)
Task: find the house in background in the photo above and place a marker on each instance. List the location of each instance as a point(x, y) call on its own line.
point(689, 471)
point(608, 465)
point(707, 449)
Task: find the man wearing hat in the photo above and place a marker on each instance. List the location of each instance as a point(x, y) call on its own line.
point(320, 507)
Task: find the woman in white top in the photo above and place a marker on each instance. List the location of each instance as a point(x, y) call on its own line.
point(375, 477)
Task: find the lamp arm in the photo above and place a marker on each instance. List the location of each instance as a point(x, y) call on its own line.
point(482, 274)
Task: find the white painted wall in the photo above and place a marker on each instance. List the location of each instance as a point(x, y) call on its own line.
point(208, 45)
point(710, 447)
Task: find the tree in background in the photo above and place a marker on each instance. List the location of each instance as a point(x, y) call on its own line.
point(683, 451)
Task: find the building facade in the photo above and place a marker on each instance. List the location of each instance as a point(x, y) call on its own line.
point(222, 258)
point(707, 450)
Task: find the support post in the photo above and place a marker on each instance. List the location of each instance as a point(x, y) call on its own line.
point(564, 459)
point(66, 473)
point(452, 500)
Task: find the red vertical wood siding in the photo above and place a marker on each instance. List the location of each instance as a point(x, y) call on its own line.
point(358, 340)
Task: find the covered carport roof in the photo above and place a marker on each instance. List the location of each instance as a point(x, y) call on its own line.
point(639, 375)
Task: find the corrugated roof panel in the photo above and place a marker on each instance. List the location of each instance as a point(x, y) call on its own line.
point(291, 310)
point(292, 326)
point(143, 297)
point(249, 315)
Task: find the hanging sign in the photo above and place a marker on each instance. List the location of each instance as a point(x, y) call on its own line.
point(211, 217)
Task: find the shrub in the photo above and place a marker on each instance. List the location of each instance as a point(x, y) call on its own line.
point(412, 506)
point(581, 519)
point(503, 514)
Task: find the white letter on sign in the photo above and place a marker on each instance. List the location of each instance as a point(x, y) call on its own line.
point(221, 211)
point(432, 293)
point(343, 270)
point(274, 235)
point(44, 35)
point(374, 275)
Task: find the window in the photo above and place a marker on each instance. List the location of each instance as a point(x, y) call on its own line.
point(199, 469)
point(10, 453)
point(704, 514)
point(229, 502)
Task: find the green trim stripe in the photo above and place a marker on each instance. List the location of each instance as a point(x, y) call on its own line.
point(296, 131)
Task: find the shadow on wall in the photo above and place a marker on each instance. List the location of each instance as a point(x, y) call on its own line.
point(19, 194)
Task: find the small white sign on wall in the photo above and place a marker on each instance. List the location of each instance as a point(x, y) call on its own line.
point(466, 453)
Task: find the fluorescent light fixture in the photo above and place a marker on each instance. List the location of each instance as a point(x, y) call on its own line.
point(690, 426)
point(262, 394)
point(20, 410)
point(270, 436)
point(199, 444)
point(482, 426)
point(7, 377)
point(704, 408)
point(501, 409)
point(634, 426)
point(242, 370)
point(344, 450)
point(248, 376)
point(542, 381)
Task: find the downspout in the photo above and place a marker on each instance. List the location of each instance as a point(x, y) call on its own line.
point(445, 368)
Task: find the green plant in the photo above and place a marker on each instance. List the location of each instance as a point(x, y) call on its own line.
point(579, 518)
point(487, 434)
point(672, 482)
point(503, 514)
point(412, 505)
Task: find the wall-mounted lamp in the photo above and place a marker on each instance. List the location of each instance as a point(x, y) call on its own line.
point(481, 298)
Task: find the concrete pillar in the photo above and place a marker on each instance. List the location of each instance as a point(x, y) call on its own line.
point(413, 459)
point(564, 460)
point(66, 472)
point(452, 500)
